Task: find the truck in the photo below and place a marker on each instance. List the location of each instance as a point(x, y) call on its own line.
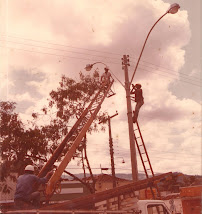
point(151, 207)
point(138, 207)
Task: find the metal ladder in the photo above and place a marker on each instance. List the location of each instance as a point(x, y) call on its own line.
point(76, 128)
point(144, 157)
point(79, 130)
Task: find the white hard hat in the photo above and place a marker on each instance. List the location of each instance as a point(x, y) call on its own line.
point(29, 168)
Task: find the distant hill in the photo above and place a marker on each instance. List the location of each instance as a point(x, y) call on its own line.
point(128, 176)
point(178, 180)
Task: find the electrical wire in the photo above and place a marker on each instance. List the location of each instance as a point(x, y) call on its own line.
point(38, 46)
point(68, 46)
point(174, 74)
point(93, 51)
point(59, 55)
point(171, 77)
point(85, 54)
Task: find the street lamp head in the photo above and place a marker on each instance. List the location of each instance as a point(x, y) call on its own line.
point(174, 8)
point(88, 67)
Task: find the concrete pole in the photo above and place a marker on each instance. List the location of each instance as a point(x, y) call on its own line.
point(130, 121)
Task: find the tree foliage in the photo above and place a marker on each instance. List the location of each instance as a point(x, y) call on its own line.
point(68, 102)
point(21, 145)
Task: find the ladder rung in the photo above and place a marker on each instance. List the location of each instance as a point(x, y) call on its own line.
point(143, 153)
point(135, 129)
point(137, 137)
point(148, 169)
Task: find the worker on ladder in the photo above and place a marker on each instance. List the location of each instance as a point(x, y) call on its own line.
point(136, 89)
point(106, 77)
point(25, 194)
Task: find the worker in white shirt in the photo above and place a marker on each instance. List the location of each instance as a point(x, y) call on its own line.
point(106, 77)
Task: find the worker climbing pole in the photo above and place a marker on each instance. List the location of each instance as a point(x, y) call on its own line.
point(137, 91)
point(134, 139)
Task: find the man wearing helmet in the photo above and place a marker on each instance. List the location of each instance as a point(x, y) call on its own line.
point(25, 188)
point(136, 89)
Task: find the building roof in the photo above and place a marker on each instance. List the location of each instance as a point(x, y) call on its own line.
point(171, 196)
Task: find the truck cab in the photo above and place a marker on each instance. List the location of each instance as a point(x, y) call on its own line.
point(151, 207)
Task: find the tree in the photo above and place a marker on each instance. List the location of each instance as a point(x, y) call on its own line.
point(21, 145)
point(68, 102)
point(18, 146)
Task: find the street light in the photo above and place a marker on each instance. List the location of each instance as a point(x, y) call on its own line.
point(173, 9)
point(90, 66)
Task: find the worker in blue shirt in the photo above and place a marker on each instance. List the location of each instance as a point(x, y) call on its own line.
point(26, 188)
point(136, 89)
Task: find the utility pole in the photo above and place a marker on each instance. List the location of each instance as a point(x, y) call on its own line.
point(111, 147)
point(125, 64)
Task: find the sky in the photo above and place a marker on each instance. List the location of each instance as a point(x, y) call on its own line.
point(42, 40)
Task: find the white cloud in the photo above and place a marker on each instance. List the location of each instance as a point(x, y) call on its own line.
point(106, 28)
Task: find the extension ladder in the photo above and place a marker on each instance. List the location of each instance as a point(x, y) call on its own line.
point(144, 156)
point(74, 137)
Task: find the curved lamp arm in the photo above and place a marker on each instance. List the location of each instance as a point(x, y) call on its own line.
point(89, 66)
point(173, 9)
point(144, 46)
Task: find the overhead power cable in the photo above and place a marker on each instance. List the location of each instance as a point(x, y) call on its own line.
point(62, 45)
point(66, 56)
point(184, 75)
point(92, 50)
point(169, 77)
point(56, 49)
point(89, 55)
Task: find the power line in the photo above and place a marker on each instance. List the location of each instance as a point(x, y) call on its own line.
point(82, 54)
point(78, 53)
point(185, 76)
point(179, 159)
point(199, 79)
point(164, 152)
point(94, 51)
point(170, 77)
point(59, 55)
point(38, 46)
point(68, 46)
